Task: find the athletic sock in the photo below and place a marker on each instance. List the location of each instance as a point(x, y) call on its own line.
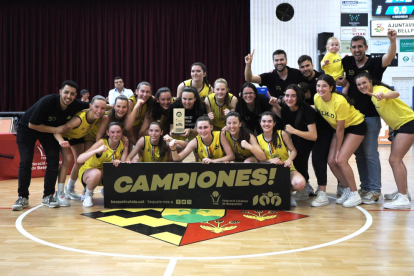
point(61, 188)
point(89, 192)
point(71, 184)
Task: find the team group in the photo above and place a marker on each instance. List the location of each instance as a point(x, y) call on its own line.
point(303, 113)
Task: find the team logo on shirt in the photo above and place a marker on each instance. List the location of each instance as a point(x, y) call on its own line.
point(278, 88)
point(351, 72)
point(51, 118)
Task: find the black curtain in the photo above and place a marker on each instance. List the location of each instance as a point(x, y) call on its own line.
point(44, 43)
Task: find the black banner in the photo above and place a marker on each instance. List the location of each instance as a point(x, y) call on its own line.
point(195, 185)
point(354, 19)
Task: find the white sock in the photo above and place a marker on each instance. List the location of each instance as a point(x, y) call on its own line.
point(89, 192)
point(61, 188)
point(71, 184)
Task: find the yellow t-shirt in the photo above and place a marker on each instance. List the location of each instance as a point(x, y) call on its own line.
point(394, 111)
point(203, 93)
point(151, 153)
point(274, 151)
point(240, 153)
point(212, 151)
point(334, 68)
point(139, 119)
point(338, 109)
point(91, 136)
point(219, 120)
point(97, 160)
point(84, 128)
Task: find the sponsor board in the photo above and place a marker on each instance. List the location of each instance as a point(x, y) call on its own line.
point(351, 6)
point(403, 27)
point(394, 61)
point(195, 185)
point(347, 33)
point(354, 19)
point(406, 59)
point(406, 45)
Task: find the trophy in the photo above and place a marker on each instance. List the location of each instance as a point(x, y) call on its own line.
point(178, 121)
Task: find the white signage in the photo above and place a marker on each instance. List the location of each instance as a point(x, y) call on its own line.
point(352, 6)
point(403, 27)
point(406, 59)
point(347, 33)
point(379, 46)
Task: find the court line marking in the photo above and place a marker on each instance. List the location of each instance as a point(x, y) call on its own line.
point(20, 228)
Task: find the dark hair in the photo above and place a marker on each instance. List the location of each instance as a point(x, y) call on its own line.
point(161, 143)
point(304, 58)
point(374, 81)
point(358, 37)
point(199, 106)
point(112, 117)
point(84, 91)
point(243, 106)
point(204, 118)
point(244, 133)
point(204, 68)
point(158, 111)
point(304, 87)
point(149, 102)
point(275, 135)
point(70, 83)
point(117, 78)
point(300, 101)
point(114, 124)
point(279, 52)
point(331, 82)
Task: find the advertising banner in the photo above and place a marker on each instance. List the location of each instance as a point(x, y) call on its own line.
point(347, 33)
point(354, 19)
point(406, 45)
point(195, 185)
point(354, 6)
point(403, 27)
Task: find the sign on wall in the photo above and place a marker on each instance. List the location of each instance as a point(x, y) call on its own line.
point(347, 33)
point(354, 6)
point(196, 185)
point(406, 45)
point(354, 19)
point(403, 27)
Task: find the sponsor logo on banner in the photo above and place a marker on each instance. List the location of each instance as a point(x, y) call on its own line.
point(196, 185)
point(354, 19)
point(379, 46)
point(347, 33)
point(350, 6)
point(394, 61)
point(406, 45)
point(403, 27)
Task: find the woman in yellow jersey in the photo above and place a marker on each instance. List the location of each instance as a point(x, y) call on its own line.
point(242, 141)
point(399, 117)
point(276, 145)
point(208, 145)
point(152, 147)
point(198, 80)
point(140, 106)
point(338, 110)
point(219, 104)
point(118, 113)
point(194, 108)
point(79, 125)
point(162, 104)
point(110, 149)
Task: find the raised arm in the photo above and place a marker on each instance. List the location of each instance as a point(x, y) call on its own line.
point(389, 56)
point(248, 75)
point(98, 147)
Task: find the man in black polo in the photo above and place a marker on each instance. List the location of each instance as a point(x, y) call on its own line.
point(47, 116)
point(278, 79)
point(367, 156)
point(306, 68)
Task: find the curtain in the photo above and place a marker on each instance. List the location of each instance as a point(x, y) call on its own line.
point(44, 43)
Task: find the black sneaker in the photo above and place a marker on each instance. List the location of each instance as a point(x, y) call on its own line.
point(20, 204)
point(50, 201)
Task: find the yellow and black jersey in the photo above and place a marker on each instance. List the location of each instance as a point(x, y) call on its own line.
point(203, 93)
point(151, 153)
point(83, 129)
point(274, 151)
point(240, 153)
point(219, 120)
point(139, 119)
point(212, 151)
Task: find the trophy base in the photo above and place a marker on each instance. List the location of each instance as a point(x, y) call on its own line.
point(177, 133)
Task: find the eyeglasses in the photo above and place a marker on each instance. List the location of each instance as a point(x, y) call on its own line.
point(248, 93)
point(119, 82)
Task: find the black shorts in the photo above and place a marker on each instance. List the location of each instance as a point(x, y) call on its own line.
point(75, 141)
point(360, 129)
point(406, 128)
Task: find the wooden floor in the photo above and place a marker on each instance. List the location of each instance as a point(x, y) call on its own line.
point(317, 245)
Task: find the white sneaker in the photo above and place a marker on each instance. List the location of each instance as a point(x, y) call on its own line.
point(392, 195)
point(400, 201)
point(88, 201)
point(301, 195)
point(71, 194)
point(293, 202)
point(353, 200)
point(61, 199)
point(344, 196)
point(320, 200)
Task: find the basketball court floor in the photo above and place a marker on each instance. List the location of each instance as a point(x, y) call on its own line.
point(329, 240)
